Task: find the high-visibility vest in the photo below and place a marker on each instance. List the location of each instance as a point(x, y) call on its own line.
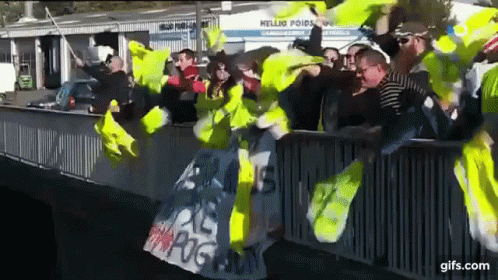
point(454, 52)
point(148, 66)
point(489, 91)
point(217, 118)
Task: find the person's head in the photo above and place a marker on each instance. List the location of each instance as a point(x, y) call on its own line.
point(186, 57)
point(221, 72)
point(248, 69)
point(413, 38)
point(331, 56)
point(371, 68)
point(219, 67)
point(351, 55)
point(115, 64)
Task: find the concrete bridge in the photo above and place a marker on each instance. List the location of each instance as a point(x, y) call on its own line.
point(407, 219)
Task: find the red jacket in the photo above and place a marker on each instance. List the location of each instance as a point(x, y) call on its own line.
point(191, 74)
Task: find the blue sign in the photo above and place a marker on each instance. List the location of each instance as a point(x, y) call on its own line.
point(166, 36)
point(171, 36)
point(290, 33)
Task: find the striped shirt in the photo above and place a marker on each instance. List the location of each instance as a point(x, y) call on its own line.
point(492, 45)
point(398, 92)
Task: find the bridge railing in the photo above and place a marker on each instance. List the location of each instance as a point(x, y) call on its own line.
point(408, 215)
point(68, 142)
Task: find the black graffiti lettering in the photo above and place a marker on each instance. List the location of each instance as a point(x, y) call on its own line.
point(198, 217)
point(208, 213)
point(240, 264)
point(233, 263)
point(205, 256)
point(193, 215)
point(192, 250)
point(178, 241)
point(216, 264)
point(182, 241)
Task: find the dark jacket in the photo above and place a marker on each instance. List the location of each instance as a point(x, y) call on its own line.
point(340, 108)
point(111, 86)
point(179, 97)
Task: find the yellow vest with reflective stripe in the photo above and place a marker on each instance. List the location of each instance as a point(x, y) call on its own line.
point(489, 89)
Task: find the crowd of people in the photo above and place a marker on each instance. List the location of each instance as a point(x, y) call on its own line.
point(371, 85)
point(378, 91)
point(363, 88)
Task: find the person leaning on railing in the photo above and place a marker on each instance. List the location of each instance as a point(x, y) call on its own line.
point(113, 83)
point(405, 107)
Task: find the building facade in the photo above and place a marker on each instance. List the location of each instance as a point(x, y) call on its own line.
point(248, 25)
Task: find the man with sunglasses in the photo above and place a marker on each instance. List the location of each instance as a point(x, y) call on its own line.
point(414, 42)
point(113, 83)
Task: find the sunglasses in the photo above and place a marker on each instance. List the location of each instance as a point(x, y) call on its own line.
point(403, 41)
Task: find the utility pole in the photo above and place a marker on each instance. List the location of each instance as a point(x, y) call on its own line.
point(198, 34)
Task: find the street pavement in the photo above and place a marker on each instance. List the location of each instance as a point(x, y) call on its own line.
point(22, 97)
point(97, 232)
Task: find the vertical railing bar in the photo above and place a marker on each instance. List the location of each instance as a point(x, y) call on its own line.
point(433, 216)
point(442, 225)
point(402, 214)
point(408, 216)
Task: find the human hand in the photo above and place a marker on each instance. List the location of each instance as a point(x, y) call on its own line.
point(448, 106)
point(79, 62)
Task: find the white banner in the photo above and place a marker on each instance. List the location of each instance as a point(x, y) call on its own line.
point(191, 229)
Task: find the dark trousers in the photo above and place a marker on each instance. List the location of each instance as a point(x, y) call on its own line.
point(180, 104)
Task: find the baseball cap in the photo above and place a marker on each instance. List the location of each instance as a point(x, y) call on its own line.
point(411, 29)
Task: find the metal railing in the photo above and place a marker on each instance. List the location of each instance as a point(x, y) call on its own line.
point(408, 215)
point(67, 142)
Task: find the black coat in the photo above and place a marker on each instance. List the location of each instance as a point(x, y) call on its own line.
point(111, 86)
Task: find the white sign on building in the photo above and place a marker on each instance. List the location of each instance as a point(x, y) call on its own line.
point(258, 28)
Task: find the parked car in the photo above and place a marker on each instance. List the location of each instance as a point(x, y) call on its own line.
point(73, 95)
